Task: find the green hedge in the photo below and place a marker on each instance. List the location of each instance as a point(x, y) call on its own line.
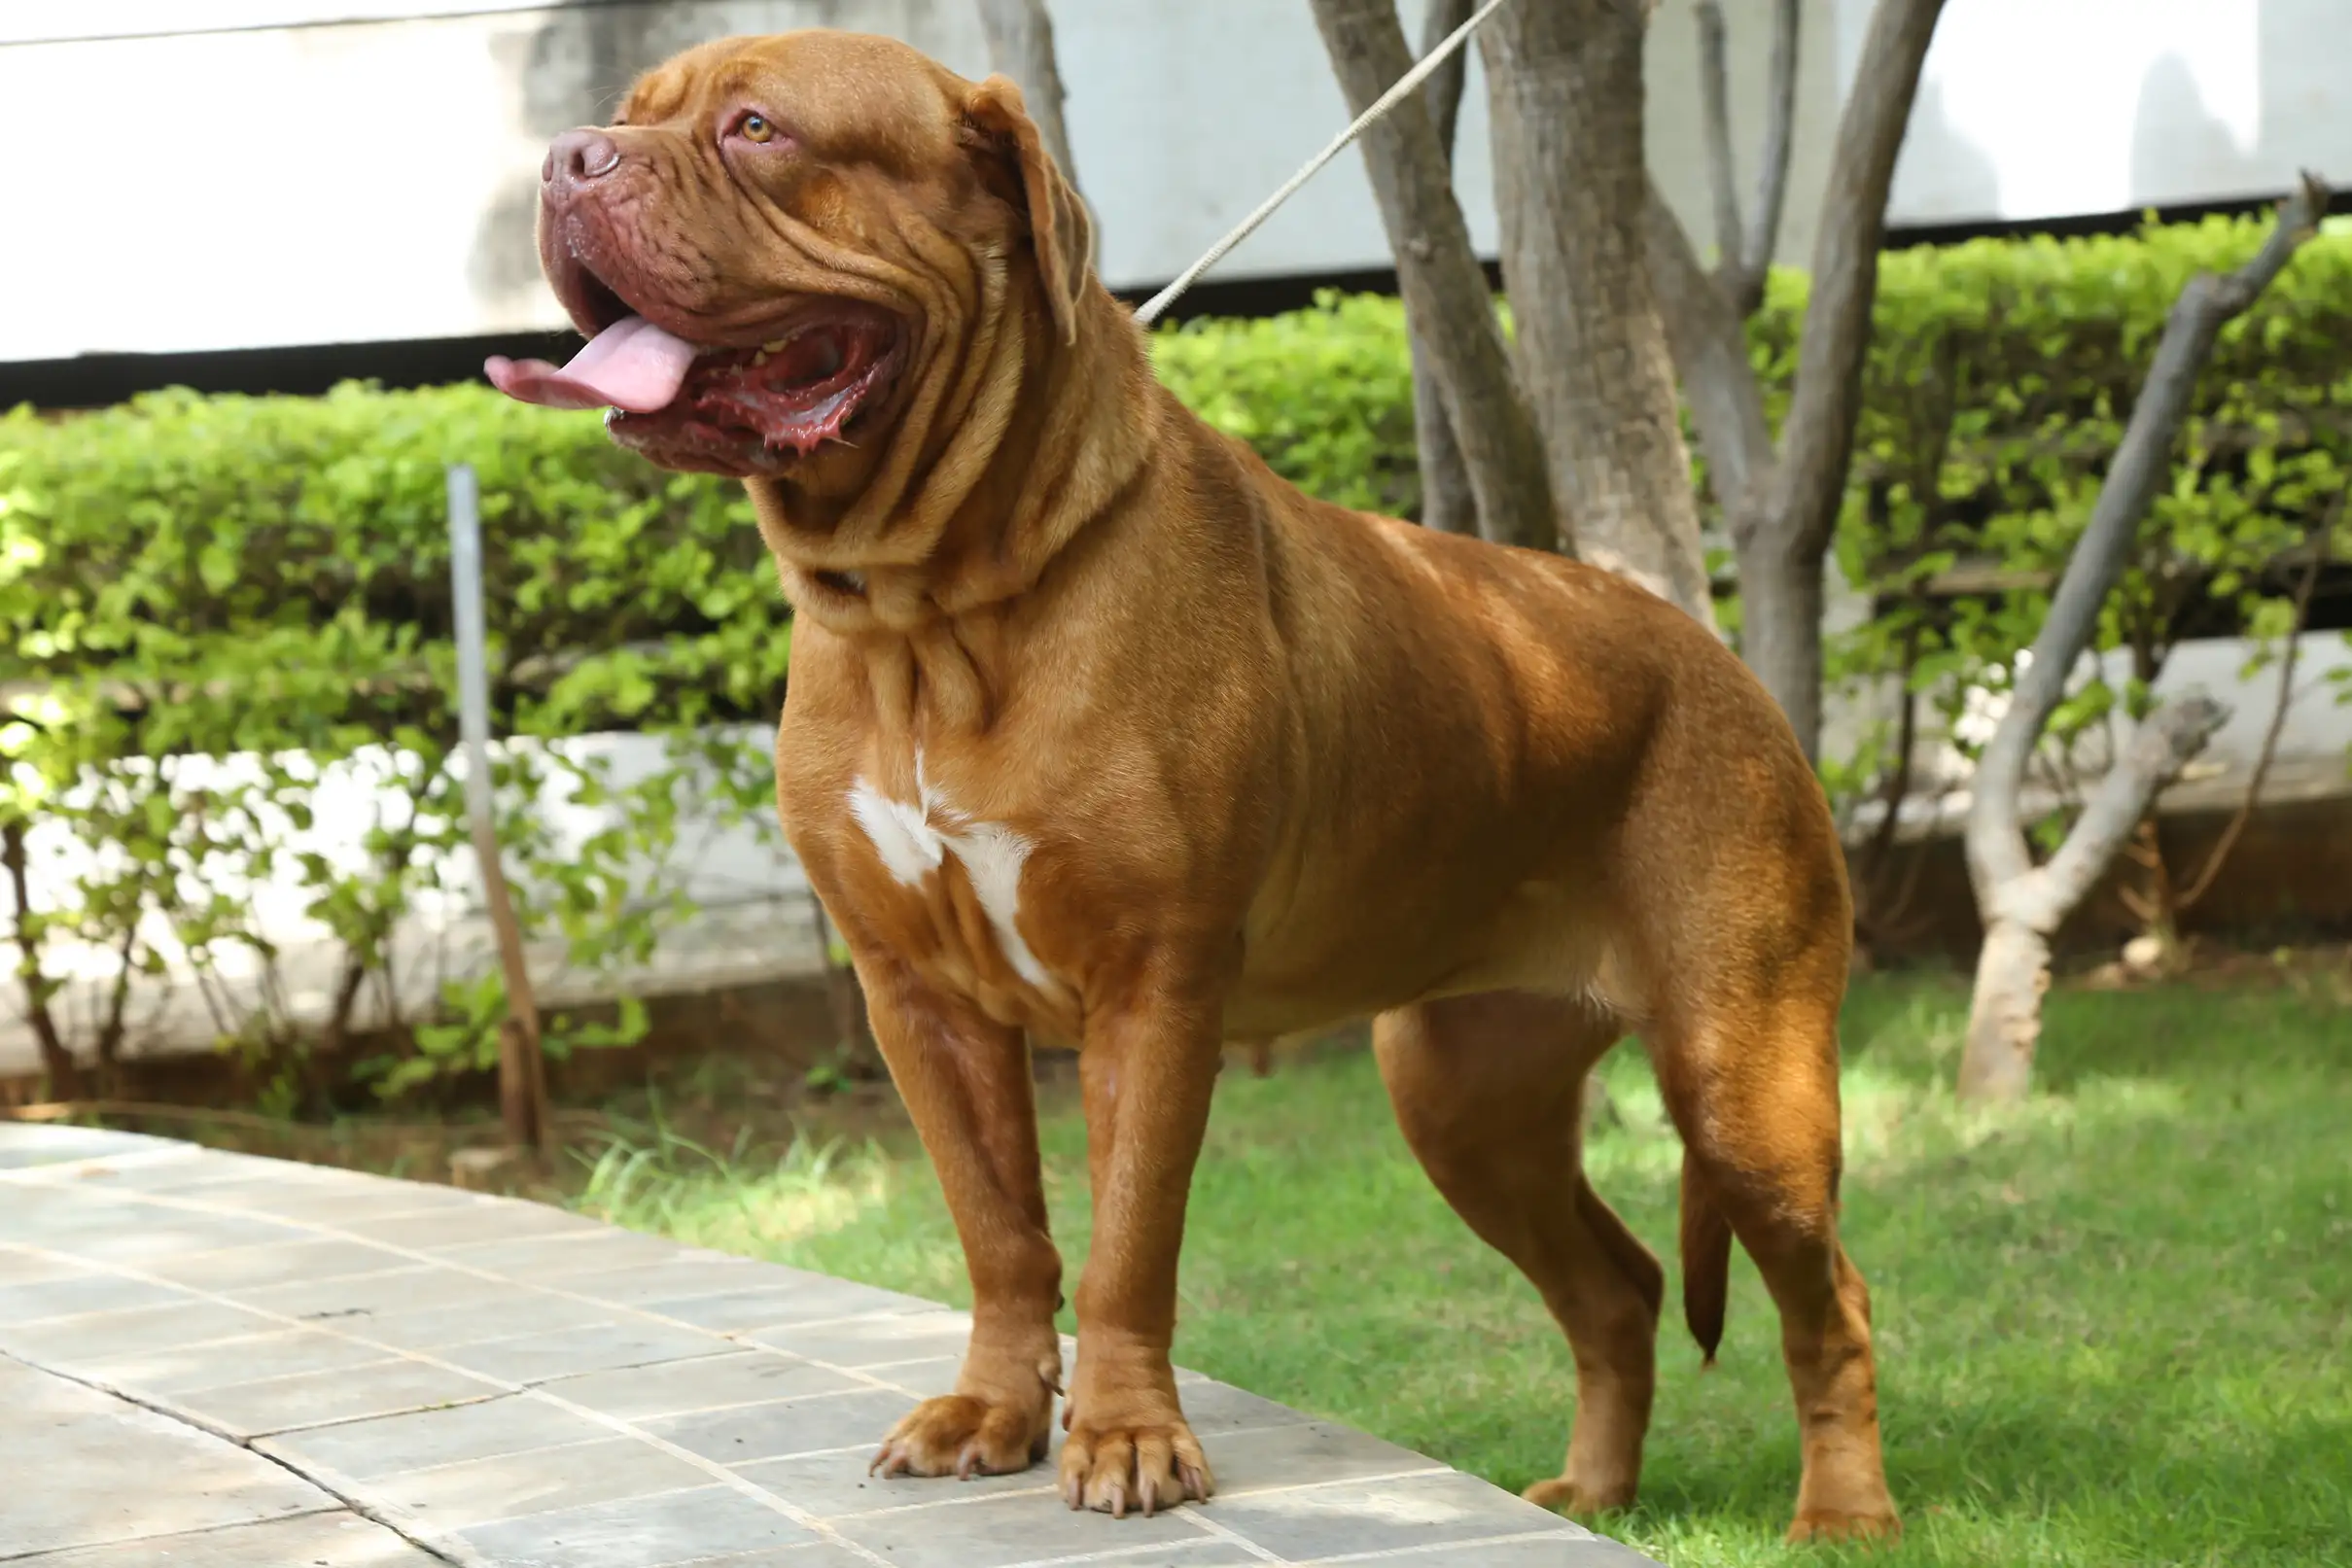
point(186, 576)
point(261, 539)
point(1995, 389)
point(177, 535)
point(2000, 379)
point(1324, 394)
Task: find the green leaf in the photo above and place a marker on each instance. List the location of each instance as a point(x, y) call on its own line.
point(217, 565)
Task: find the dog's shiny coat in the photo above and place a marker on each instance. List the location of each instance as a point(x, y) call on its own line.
point(1100, 732)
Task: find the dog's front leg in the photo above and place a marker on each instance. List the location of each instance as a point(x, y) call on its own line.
point(965, 1082)
point(1148, 1070)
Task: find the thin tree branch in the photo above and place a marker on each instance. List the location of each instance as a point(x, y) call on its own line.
point(1818, 434)
point(1443, 285)
point(1709, 347)
point(1772, 178)
point(1447, 503)
point(2159, 748)
point(1891, 921)
point(1997, 852)
point(1722, 176)
point(1897, 784)
point(1444, 89)
point(118, 1001)
point(56, 1059)
point(1781, 504)
point(2153, 908)
point(2212, 868)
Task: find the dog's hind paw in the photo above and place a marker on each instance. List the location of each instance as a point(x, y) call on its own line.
point(1577, 1499)
point(1828, 1524)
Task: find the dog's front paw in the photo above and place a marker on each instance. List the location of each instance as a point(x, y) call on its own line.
point(964, 1435)
point(1141, 1464)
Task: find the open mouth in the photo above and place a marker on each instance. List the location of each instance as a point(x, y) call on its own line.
point(738, 410)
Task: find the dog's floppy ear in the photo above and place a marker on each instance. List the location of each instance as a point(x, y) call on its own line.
point(1059, 227)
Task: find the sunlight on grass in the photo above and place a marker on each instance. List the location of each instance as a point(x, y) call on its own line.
point(664, 1182)
point(2114, 1324)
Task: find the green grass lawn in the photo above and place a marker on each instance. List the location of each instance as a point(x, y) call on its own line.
point(2113, 1328)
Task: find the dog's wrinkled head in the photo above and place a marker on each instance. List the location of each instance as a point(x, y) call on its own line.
point(780, 243)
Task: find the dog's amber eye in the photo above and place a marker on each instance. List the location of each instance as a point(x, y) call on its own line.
point(756, 129)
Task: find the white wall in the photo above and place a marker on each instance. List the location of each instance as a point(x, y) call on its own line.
point(372, 180)
point(282, 172)
point(319, 184)
point(2041, 108)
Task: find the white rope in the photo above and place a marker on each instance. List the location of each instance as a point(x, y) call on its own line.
point(1149, 311)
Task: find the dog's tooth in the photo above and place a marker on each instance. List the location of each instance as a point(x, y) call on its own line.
point(761, 357)
point(774, 345)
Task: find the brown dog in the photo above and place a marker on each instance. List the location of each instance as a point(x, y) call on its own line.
point(1098, 731)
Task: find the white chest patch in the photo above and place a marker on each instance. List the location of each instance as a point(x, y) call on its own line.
point(914, 840)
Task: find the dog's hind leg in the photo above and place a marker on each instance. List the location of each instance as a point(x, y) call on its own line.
point(1752, 1084)
point(1488, 1091)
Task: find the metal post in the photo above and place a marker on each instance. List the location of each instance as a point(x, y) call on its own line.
point(522, 1088)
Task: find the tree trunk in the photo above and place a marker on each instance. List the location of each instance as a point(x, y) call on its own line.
point(2011, 890)
point(1709, 339)
point(2005, 1016)
point(1781, 601)
point(1021, 46)
point(1445, 500)
point(1818, 439)
point(1564, 85)
point(1444, 287)
point(57, 1057)
point(1784, 504)
point(2023, 904)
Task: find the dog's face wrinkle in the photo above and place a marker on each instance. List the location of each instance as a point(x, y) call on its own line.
point(832, 151)
point(943, 281)
point(885, 190)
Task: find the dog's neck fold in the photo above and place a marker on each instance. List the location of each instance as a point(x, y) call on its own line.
point(1008, 449)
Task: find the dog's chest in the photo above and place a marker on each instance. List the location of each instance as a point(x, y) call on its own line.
point(948, 896)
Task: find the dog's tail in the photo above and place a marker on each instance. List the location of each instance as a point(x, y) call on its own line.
point(1706, 1259)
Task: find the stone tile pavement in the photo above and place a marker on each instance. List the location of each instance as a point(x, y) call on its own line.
point(216, 1361)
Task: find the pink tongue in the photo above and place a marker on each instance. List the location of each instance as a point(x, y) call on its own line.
point(632, 366)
